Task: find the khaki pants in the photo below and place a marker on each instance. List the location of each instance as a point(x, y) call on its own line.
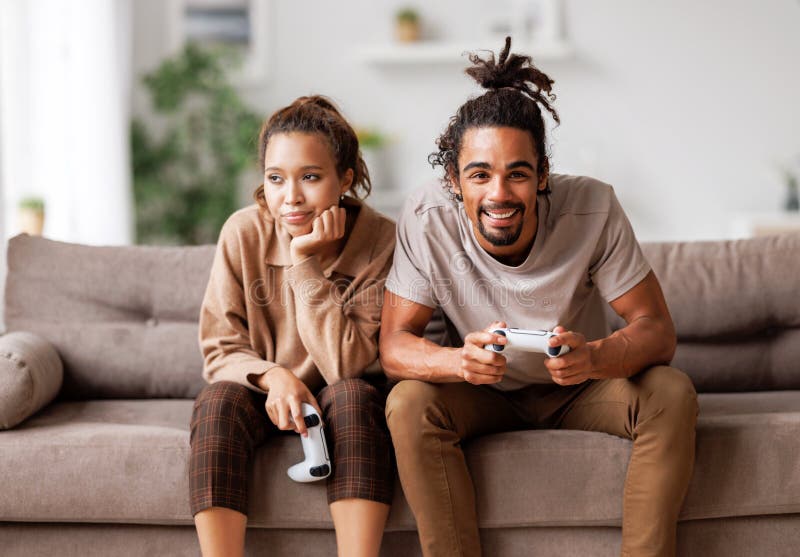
point(656, 408)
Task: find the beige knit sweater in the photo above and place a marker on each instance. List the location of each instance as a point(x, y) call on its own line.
point(260, 311)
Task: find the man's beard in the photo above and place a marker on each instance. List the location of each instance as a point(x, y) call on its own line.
point(507, 236)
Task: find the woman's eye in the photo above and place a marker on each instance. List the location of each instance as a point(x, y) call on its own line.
point(311, 177)
point(274, 178)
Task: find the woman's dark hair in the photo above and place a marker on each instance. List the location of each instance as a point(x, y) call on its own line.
point(318, 114)
point(516, 90)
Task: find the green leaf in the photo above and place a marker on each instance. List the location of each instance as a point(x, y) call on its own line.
point(185, 184)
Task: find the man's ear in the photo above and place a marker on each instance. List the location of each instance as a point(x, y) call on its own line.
point(455, 186)
point(347, 181)
point(545, 174)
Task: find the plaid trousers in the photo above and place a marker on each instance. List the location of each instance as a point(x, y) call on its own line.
point(230, 421)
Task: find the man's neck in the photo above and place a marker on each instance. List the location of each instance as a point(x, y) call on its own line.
point(517, 259)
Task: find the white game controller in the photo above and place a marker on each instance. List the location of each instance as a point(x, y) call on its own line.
point(528, 341)
point(317, 464)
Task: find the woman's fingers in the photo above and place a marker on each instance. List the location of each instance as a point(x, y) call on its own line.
point(313, 402)
point(284, 419)
point(296, 410)
point(328, 224)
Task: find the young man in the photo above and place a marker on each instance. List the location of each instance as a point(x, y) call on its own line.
point(507, 241)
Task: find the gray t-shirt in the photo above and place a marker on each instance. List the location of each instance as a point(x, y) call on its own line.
point(585, 254)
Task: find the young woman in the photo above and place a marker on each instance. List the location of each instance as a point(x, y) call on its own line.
point(291, 315)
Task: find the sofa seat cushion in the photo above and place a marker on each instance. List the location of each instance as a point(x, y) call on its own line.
point(126, 461)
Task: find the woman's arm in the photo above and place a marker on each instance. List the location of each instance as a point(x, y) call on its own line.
point(339, 328)
point(224, 334)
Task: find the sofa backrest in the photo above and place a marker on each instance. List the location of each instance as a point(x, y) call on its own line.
point(124, 319)
point(736, 309)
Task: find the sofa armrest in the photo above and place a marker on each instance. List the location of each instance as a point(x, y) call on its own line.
point(31, 374)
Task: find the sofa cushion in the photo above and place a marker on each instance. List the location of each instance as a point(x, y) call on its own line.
point(734, 304)
point(123, 318)
point(126, 461)
point(30, 376)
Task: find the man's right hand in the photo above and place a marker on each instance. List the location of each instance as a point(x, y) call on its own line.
point(478, 365)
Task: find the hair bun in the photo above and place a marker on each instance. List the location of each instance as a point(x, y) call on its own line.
point(318, 100)
point(513, 71)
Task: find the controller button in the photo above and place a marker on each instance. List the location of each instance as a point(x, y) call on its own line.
point(499, 347)
point(554, 350)
point(320, 471)
point(312, 420)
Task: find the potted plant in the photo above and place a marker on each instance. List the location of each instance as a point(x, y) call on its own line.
point(187, 171)
point(30, 214)
point(407, 24)
point(372, 143)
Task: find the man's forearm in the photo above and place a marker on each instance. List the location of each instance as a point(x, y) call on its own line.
point(405, 355)
point(643, 343)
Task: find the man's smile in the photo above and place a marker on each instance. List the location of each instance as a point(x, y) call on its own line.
point(501, 217)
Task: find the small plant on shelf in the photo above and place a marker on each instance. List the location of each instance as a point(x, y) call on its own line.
point(370, 138)
point(30, 214)
point(407, 25)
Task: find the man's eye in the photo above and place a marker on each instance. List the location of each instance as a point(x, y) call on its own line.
point(479, 176)
point(518, 175)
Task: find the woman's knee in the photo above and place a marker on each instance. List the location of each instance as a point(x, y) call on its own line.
point(224, 398)
point(353, 400)
point(355, 391)
point(226, 408)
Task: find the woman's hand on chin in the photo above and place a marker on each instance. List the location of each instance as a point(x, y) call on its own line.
point(326, 229)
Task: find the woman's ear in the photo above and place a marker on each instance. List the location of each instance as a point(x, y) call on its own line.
point(347, 181)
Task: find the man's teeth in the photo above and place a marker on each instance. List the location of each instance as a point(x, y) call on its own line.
point(503, 215)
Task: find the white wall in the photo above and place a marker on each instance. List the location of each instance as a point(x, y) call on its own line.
point(65, 115)
point(685, 107)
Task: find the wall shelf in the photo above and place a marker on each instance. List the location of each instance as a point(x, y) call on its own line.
point(450, 52)
point(747, 225)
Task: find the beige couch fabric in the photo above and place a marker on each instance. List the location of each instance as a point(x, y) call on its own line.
point(118, 315)
point(30, 376)
point(124, 321)
point(125, 461)
point(736, 310)
point(123, 318)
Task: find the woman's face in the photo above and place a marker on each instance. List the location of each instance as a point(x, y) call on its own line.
point(300, 179)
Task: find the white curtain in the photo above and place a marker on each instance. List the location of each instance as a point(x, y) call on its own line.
point(65, 74)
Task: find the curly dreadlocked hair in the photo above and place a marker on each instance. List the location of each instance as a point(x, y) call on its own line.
point(318, 114)
point(516, 90)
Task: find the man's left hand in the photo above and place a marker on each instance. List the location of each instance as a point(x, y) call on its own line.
point(575, 366)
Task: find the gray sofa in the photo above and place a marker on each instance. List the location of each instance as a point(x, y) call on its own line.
point(101, 470)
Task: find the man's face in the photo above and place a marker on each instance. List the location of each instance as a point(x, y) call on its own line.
point(498, 182)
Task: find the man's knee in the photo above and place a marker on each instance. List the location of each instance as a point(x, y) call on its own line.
point(671, 391)
point(408, 405)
